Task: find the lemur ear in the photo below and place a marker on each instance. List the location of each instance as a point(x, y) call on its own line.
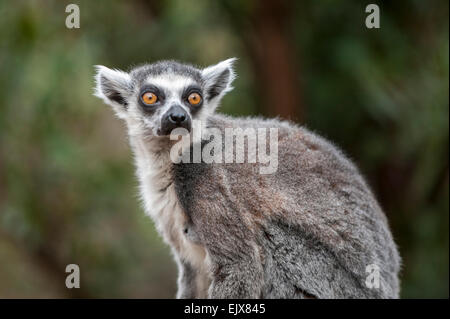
point(218, 79)
point(113, 87)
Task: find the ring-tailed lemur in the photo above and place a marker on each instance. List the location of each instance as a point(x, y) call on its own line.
point(310, 229)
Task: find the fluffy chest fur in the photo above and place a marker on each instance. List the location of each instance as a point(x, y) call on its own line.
point(161, 203)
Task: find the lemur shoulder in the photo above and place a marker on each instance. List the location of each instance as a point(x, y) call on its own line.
point(307, 230)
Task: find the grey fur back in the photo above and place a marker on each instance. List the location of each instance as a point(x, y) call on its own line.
point(307, 231)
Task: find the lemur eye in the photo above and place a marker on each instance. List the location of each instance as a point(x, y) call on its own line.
point(194, 99)
point(149, 98)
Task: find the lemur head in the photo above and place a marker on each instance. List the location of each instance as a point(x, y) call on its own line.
point(156, 98)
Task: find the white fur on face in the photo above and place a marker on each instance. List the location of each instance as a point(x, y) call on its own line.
point(173, 86)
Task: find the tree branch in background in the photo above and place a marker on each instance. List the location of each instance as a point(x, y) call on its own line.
point(264, 32)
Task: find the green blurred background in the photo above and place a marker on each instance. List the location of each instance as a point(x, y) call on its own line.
point(67, 188)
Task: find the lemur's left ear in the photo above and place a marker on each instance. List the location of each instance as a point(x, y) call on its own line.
point(113, 87)
point(218, 79)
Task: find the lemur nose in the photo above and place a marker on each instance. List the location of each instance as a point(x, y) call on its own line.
point(177, 118)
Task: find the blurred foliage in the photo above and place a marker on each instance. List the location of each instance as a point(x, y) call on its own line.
point(67, 186)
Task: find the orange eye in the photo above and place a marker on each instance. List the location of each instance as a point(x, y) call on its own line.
point(149, 98)
point(194, 99)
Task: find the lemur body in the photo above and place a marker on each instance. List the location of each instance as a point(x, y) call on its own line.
point(308, 230)
point(155, 173)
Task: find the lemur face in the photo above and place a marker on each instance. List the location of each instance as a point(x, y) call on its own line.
point(157, 98)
